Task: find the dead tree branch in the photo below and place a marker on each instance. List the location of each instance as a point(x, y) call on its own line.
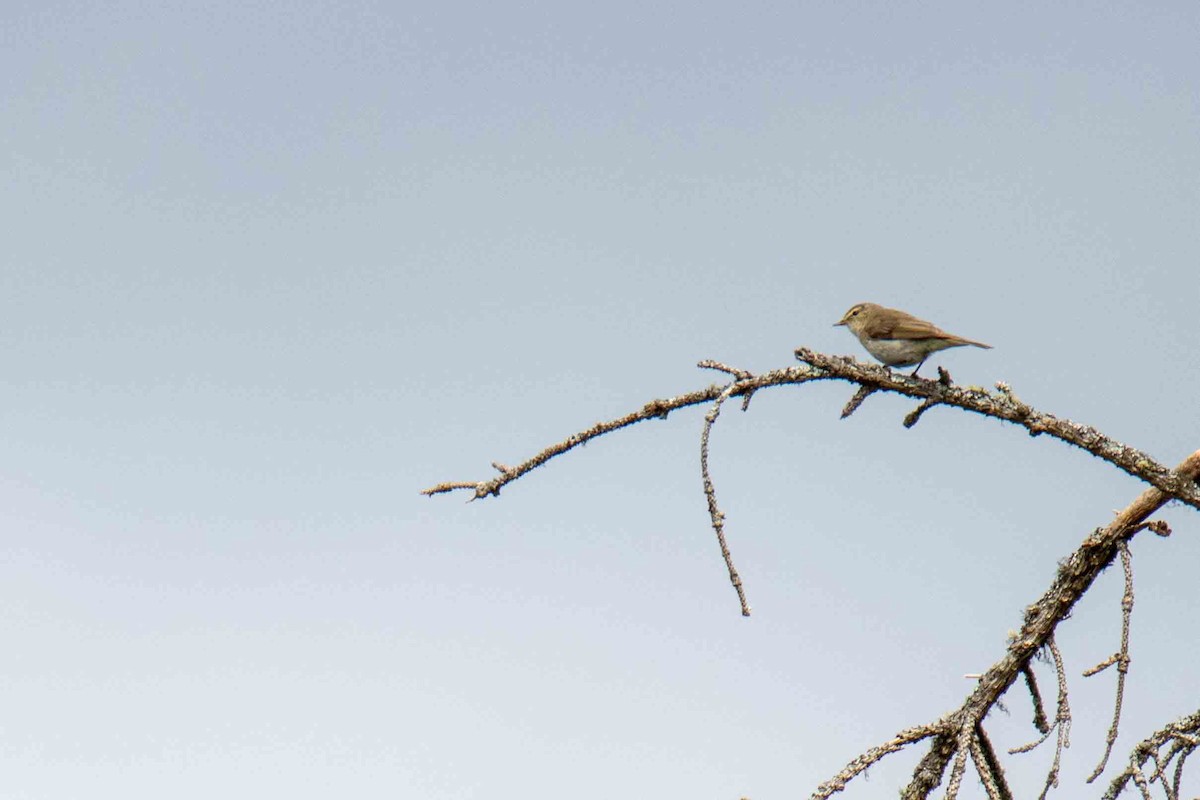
point(1002, 404)
point(1120, 658)
point(1180, 738)
point(714, 511)
point(1075, 575)
point(959, 735)
point(860, 764)
point(1062, 718)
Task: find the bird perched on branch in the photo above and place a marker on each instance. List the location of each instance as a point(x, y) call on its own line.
point(897, 338)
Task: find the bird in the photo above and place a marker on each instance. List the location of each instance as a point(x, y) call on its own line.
point(897, 338)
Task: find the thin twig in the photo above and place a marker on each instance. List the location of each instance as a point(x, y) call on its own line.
point(737, 373)
point(1062, 715)
point(710, 493)
point(1121, 658)
point(1062, 721)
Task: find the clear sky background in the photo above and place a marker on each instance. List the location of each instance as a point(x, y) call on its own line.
point(270, 269)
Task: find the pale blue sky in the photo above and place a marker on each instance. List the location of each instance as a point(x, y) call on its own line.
point(269, 269)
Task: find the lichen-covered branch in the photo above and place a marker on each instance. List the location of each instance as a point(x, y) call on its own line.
point(716, 515)
point(1062, 718)
point(860, 764)
point(1120, 658)
point(1075, 575)
point(1002, 404)
point(1180, 738)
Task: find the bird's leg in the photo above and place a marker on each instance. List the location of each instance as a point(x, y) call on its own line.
point(914, 372)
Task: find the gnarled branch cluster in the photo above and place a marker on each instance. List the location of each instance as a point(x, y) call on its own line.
point(1175, 742)
point(1075, 575)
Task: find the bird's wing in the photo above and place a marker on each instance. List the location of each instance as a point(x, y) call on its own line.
point(903, 326)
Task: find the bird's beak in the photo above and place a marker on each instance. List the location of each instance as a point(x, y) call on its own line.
point(836, 324)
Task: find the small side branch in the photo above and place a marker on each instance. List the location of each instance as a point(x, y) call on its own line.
point(1035, 696)
point(857, 400)
point(876, 754)
point(738, 374)
point(710, 493)
point(914, 416)
point(1062, 723)
point(1120, 658)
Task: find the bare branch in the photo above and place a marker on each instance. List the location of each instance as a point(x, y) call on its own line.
point(988, 766)
point(1183, 737)
point(1062, 713)
point(929, 771)
point(714, 512)
point(1120, 658)
point(1075, 575)
point(913, 416)
point(1184, 752)
point(963, 746)
point(1062, 723)
point(1039, 710)
point(958, 735)
point(901, 740)
point(1001, 405)
point(862, 394)
point(1005, 405)
point(655, 409)
point(740, 374)
point(1140, 780)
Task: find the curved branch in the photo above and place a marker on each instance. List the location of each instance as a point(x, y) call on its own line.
point(1002, 404)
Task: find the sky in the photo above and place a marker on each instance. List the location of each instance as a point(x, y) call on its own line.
point(271, 269)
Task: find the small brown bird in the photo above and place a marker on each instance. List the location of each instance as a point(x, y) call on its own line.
point(897, 338)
